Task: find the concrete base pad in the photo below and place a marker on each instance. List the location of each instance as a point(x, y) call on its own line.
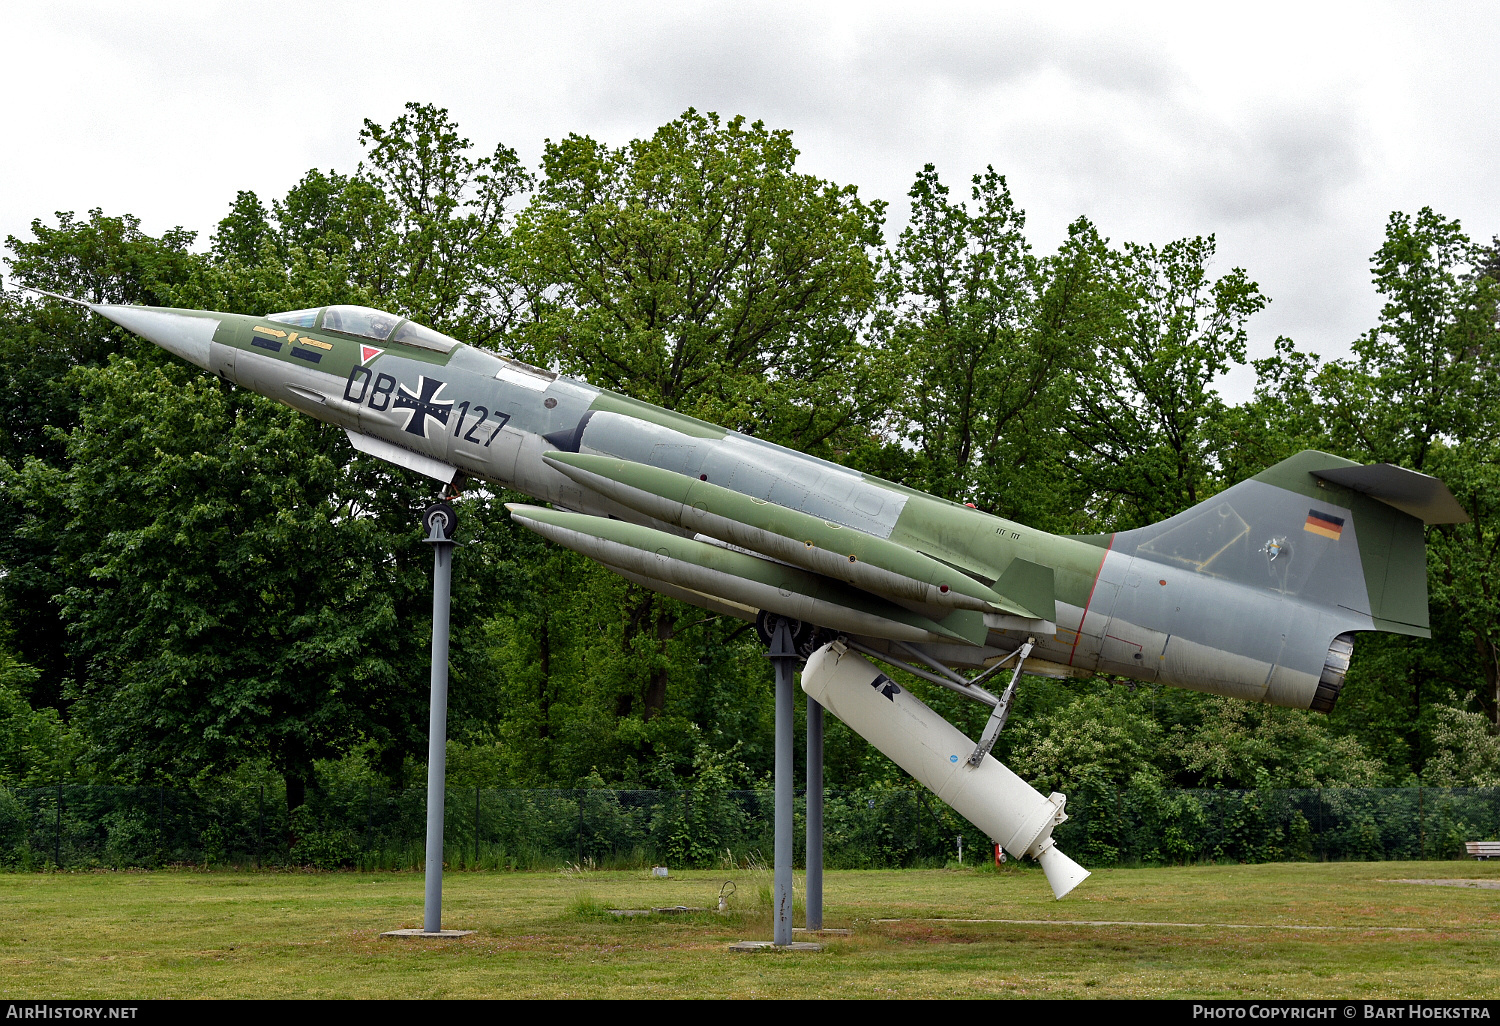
point(773, 946)
point(435, 934)
point(1491, 885)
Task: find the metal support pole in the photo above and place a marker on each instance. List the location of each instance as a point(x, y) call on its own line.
point(440, 523)
point(784, 658)
point(814, 815)
point(1421, 825)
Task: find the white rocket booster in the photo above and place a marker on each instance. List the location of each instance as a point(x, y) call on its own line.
point(1014, 814)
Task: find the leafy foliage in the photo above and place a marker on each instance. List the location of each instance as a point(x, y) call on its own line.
point(1145, 401)
point(698, 270)
point(1242, 745)
point(1089, 741)
point(197, 583)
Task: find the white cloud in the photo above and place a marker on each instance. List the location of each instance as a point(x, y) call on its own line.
point(1290, 131)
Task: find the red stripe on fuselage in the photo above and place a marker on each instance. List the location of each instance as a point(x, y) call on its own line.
point(1079, 635)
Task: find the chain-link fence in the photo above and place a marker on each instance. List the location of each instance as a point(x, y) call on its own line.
point(79, 827)
point(1149, 824)
point(82, 827)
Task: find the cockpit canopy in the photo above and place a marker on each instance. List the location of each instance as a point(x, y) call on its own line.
point(364, 322)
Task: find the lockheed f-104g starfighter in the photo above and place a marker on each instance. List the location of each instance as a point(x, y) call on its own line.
point(1256, 593)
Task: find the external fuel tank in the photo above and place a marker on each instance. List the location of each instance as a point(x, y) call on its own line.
point(1012, 812)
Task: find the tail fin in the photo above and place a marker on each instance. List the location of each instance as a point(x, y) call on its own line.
point(1318, 528)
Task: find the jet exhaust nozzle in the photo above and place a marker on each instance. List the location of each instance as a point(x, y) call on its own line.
point(1012, 812)
point(1063, 874)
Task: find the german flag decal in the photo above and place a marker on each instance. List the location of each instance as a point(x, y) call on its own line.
point(1325, 524)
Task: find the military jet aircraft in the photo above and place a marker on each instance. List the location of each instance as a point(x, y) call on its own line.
point(1254, 594)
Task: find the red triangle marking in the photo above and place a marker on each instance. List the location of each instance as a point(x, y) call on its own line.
point(368, 353)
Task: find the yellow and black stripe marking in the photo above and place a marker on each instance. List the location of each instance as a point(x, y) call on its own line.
point(273, 343)
point(303, 348)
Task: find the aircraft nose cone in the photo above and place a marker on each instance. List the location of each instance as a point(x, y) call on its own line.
point(185, 334)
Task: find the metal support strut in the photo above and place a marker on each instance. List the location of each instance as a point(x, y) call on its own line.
point(783, 657)
point(440, 522)
point(1001, 712)
point(952, 681)
point(814, 815)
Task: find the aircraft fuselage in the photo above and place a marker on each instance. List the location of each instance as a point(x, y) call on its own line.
point(880, 562)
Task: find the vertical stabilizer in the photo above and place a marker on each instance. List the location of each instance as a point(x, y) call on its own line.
point(1318, 529)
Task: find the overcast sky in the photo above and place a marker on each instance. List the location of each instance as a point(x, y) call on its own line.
point(1289, 131)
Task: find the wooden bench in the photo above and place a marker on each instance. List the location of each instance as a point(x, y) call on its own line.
point(1483, 849)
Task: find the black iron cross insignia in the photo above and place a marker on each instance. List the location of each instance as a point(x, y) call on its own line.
point(423, 406)
point(887, 687)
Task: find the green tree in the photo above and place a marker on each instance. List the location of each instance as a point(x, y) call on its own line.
point(442, 252)
point(698, 270)
point(422, 227)
point(1466, 751)
point(36, 747)
point(1243, 744)
point(244, 233)
point(1284, 415)
point(1145, 407)
point(238, 587)
point(1420, 390)
point(1426, 375)
point(1094, 739)
point(962, 297)
point(583, 674)
point(102, 259)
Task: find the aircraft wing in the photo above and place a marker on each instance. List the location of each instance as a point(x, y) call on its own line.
point(736, 553)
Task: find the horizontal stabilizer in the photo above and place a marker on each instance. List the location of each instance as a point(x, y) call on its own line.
point(1414, 494)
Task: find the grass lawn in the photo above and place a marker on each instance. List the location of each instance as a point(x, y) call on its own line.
point(233, 934)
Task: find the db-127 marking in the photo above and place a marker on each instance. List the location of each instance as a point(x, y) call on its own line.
point(379, 393)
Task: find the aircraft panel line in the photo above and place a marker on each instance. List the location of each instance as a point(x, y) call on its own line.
point(1092, 588)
